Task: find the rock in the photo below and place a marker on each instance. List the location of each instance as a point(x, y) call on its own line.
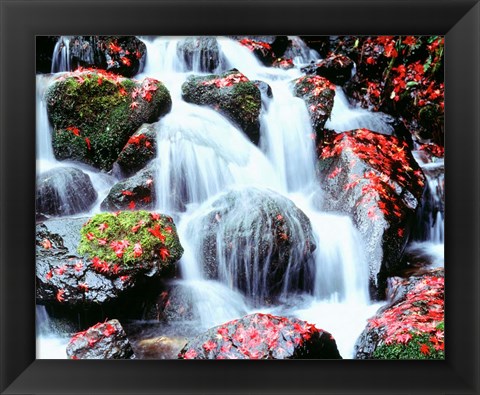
point(136, 192)
point(411, 326)
point(374, 179)
point(200, 54)
point(160, 347)
point(232, 94)
point(95, 262)
point(124, 55)
point(261, 46)
point(64, 191)
point(283, 63)
point(318, 94)
point(105, 340)
point(262, 336)
point(94, 113)
point(140, 149)
point(256, 240)
point(335, 68)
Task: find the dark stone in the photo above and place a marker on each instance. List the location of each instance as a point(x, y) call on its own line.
point(95, 113)
point(232, 94)
point(374, 179)
point(105, 340)
point(256, 240)
point(64, 191)
point(318, 94)
point(262, 336)
point(335, 68)
point(136, 192)
point(124, 55)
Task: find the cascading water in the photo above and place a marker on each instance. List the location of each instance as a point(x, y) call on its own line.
point(202, 156)
point(348, 117)
point(61, 55)
point(209, 176)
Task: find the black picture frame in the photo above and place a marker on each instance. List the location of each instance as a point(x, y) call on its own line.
point(21, 21)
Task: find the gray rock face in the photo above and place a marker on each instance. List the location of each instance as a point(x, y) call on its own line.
point(105, 340)
point(64, 191)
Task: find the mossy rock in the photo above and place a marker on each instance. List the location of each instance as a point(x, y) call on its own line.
point(94, 113)
point(200, 54)
point(318, 94)
point(140, 149)
point(232, 94)
point(122, 241)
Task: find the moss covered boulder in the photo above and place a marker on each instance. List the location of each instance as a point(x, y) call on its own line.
point(411, 326)
point(124, 55)
point(134, 193)
point(374, 179)
point(318, 94)
point(256, 240)
point(94, 113)
point(262, 336)
point(140, 149)
point(105, 259)
point(232, 94)
point(64, 191)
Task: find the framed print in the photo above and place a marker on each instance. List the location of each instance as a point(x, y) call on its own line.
point(221, 180)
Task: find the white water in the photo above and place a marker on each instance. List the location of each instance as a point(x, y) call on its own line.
point(61, 55)
point(201, 154)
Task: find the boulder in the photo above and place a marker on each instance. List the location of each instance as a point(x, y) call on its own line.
point(262, 336)
point(124, 55)
point(336, 68)
point(140, 149)
point(318, 94)
point(232, 94)
point(95, 262)
point(257, 241)
point(64, 191)
point(200, 54)
point(94, 113)
point(374, 179)
point(134, 193)
point(411, 326)
point(105, 340)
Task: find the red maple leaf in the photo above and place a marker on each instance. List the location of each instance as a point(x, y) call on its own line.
point(49, 275)
point(109, 330)
point(103, 227)
point(155, 231)
point(90, 236)
point(46, 244)
point(131, 205)
point(60, 295)
point(209, 345)
point(74, 130)
point(190, 354)
point(133, 105)
point(164, 254)
point(424, 349)
point(137, 250)
point(87, 140)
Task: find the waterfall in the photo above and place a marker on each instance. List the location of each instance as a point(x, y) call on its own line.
point(61, 55)
point(346, 116)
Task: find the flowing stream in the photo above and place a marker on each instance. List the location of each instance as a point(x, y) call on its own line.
point(203, 156)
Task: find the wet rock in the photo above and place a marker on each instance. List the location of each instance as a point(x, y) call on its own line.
point(261, 47)
point(374, 179)
point(64, 191)
point(262, 336)
point(136, 192)
point(94, 114)
point(140, 149)
point(256, 240)
point(318, 94)
point(411, 326)
point(101, 261)
point(335, 68)
point(232, 94)
point(160, 347)
point(200, 54)
point(124, 55)
point(105, 340)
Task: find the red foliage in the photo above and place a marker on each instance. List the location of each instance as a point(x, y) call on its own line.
point(229, 80)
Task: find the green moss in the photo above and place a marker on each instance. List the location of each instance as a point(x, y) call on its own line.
point(134, 227)
point(99, 105)
point(413, 348)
